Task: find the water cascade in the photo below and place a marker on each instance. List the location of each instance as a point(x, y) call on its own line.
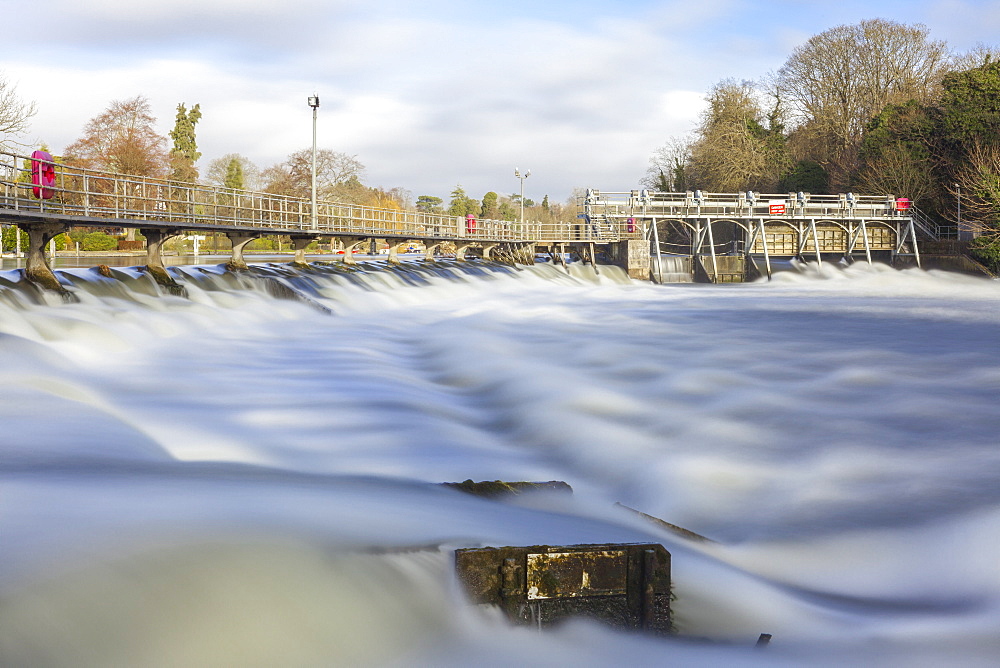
point(247, 473)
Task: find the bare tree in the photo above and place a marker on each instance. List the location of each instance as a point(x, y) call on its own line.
point(219, 169)
point(668, 166)
point(122, 139)
point(294, 175)
point(14, 113)
point(840, 79)
point(978, 181)
point(979, 55)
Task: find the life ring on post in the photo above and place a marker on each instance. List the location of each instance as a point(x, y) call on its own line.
point(43, 175)
point(470, 223)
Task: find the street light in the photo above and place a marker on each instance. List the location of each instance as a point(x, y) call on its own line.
point(517, 174)
point(314, 103)
point(958, 223)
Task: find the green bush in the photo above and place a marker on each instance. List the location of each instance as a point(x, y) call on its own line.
point(987, 250)
point(77, 234)
point(99, 241)
point(9, 236)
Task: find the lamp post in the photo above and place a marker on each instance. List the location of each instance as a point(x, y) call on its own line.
point(517, 174)
point(314, 103)
point(958, 223)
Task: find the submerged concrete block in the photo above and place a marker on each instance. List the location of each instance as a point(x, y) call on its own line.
point(625, 585)
point(499, 488)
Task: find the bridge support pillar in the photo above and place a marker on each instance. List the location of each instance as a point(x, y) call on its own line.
point(350, 243)
point(299, 244)
point(487, 249)
point(239, 241)
point(394, 250)
point(37, 269)
point(155, 238)
point(460, 248)
point(429, 248)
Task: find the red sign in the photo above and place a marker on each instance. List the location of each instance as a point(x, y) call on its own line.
point(776, 208)
point(903, 204)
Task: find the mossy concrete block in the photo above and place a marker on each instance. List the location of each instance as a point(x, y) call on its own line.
point(625, 585)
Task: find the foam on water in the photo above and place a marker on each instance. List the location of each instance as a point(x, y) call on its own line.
point(177, 469)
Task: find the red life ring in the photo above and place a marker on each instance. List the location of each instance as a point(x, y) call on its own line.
point(43, 175)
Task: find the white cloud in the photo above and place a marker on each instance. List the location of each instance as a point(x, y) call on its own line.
point(425, 95)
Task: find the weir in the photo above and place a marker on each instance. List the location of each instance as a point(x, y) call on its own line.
point(733, 237)
point(726, 237)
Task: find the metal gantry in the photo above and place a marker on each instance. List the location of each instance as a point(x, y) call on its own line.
point(752, 225)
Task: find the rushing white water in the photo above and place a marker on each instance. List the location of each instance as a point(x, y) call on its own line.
point(233, 478)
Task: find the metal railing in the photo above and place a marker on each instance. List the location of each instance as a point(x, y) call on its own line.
point(655, 204)
point(86, 193)
point(606, 217)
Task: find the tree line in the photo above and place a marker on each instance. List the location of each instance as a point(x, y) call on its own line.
point(495, 206)
point(124, 138)
point(877, 107)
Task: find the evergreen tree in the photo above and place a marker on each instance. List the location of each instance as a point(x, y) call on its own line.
point(806, 176)
point(185, 150)
point(234, 174)
point(970, 107)
point(219, 171)
point(489, 207)
point(461, 204)
point(507, 211)
point(429, 204)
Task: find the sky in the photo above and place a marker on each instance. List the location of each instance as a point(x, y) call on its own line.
point(433, 94)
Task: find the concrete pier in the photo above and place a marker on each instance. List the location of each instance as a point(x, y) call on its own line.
point(37, 269)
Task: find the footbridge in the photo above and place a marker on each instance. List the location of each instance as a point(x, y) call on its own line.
point(720, 236)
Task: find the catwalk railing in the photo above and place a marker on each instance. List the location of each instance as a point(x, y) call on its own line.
point(647, 204)
point(129, 201)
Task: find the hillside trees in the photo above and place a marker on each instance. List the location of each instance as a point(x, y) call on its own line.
point(877, 106)
point(897, 153)
point(840, 79)
point(969, 131)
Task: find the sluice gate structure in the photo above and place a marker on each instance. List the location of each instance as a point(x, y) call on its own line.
point(733, 237)
point(715, 237)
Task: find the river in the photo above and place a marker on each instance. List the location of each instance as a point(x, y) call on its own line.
point(236, 477)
